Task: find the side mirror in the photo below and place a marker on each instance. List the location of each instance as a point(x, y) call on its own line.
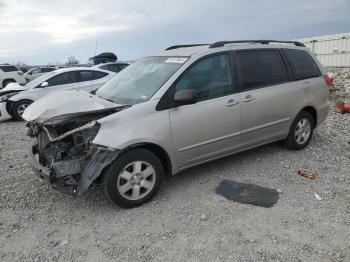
point(185, 97)
point(44, 84)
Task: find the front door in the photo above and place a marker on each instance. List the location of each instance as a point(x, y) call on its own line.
point(211, 127)
point(63, 81)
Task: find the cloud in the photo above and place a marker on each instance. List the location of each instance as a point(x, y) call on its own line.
point(43, 31)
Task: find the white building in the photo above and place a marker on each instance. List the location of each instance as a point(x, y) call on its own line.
point(331, 50)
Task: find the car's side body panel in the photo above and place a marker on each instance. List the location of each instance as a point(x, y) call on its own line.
point(194, 134)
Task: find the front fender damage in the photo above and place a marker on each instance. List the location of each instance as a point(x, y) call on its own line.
point(99, 161)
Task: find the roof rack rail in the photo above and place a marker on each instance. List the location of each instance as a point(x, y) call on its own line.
point(181, 46)
point(265, 42)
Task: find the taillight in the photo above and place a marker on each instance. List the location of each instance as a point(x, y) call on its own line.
point(327, 80)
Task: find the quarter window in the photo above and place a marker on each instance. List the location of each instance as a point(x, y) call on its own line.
point(302, 64)
point(210, 78)
point(258, 68)
point(112, 68)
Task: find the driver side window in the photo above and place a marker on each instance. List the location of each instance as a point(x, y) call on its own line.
point(63, 79)
point(210, 78)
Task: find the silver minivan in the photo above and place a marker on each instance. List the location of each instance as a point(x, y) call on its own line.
point(162, 114)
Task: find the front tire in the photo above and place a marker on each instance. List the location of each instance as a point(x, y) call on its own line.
point(133, 178)
point(301, 131)
point(19, 108)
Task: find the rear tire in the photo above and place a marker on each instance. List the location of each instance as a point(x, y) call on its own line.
point(133, 178)
point(301, 131)
point(19, 108)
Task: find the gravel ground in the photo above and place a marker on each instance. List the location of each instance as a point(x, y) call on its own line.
point(187, 221)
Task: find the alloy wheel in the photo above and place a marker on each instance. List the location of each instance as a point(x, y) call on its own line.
point(136, 180)
point(302, 131)
point(21, 108)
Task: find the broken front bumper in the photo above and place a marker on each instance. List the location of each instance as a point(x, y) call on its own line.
point(82, 172)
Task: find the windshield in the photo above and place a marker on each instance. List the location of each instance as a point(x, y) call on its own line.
point(34, 83)
point(141, 80)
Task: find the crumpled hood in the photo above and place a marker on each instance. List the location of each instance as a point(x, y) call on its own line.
point(63, 105)
point(13, 87)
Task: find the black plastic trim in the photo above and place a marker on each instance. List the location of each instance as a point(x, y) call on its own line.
point(182, 46)
point(265, 42)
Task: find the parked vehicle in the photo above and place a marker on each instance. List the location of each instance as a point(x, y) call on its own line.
point(10, 74)
point(24, 69)
point(36, 72)
point(115, 67)
point(17, 98)
point(103, 58)
point(184, 107)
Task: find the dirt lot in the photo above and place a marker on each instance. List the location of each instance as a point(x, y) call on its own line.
point(187, 221)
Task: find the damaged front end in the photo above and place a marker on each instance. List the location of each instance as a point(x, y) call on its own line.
point(65, 156)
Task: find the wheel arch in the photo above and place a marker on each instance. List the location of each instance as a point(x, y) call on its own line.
point(7, 79)
point(312, 111)
point(159, 151)
point(14, 103)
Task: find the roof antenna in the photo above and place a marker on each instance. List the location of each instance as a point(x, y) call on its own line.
point(96, 47)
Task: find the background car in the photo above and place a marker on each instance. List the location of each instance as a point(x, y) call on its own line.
point(36, 72)
point(88, 79)
point(115, 67)
point(10, 74)
point(103, 58)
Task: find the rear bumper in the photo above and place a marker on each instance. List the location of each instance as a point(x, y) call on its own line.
point(4, 115)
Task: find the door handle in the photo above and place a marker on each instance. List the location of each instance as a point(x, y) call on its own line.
point(232, 102)
point(248, 98)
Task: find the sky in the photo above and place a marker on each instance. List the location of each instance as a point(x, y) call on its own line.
point(48, 31)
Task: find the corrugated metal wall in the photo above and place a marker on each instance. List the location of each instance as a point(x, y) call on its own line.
point(331, 50)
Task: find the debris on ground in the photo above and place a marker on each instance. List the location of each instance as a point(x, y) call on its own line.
point(318, 197)
point(343, 107)
point(307, 174)
point(247, 193)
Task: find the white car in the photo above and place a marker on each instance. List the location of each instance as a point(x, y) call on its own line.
point(10, 74)
point(14, 99)
point(115, 67)
point(36, 72)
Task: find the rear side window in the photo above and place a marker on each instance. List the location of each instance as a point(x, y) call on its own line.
point(258, 68)
point(91, 75)
point(122, 66)
point(9, 68)
point(210, 78)
point(113, 68)
point(302, 64)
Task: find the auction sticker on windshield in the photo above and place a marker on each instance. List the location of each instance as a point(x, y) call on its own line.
point(178, 60)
